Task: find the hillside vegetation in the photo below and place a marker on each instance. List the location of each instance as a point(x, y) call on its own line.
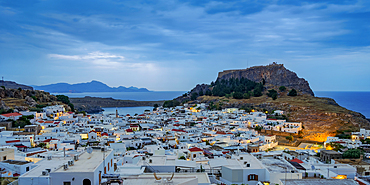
point(321, 117)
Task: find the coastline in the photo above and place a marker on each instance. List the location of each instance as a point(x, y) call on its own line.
point(97, 104)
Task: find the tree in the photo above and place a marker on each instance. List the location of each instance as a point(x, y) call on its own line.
point(201, 93)
point(246, 95)
point(258, 128)
point(171, 103)
point(65, 99)
point(41, 145)
point(289, 138)
point(208, 93)
point(194, 96)
point(3, 87)
point(335, 146)
point(238, 95)
point(282, 88)
point(272, 93)
point(292, 92)
point(353, 153)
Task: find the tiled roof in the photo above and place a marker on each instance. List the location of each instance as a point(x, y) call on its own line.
point(195, 149)
point(11, 114)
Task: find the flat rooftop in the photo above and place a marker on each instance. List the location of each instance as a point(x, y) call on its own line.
point(87, 162)
point(330, 152)
point(53, 164)
point(276, 165)
point(320, 182)
point(178, 178)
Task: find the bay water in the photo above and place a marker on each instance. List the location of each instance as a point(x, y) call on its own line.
point(355, 101)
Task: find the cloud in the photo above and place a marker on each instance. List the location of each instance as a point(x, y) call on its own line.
point(90, 56)
point(164, 40)
point(97, 58)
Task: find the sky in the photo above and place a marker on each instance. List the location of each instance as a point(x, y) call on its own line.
point(170, 45)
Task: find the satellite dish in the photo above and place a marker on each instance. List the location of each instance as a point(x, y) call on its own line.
point(89, 150)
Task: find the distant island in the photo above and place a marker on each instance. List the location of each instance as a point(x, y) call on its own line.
point(93, 86)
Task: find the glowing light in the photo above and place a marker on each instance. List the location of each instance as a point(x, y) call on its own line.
point(340, 177)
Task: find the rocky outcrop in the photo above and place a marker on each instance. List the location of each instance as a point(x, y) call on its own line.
point(41, 96)
point(13, 85)
point(21, 99)
point(3, 106)
point(273, 75)
point(199, 88)
point(30, 101)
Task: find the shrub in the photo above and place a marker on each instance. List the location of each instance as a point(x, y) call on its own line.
point(246, 95)
point(292, 92)
point(238, 95)
point(289, 138)
point(282, 88)
point(34, 97)
point(272, 93)
point(182, 158)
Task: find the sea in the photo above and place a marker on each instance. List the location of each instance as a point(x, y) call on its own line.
point(355, 101)
point(138, 96)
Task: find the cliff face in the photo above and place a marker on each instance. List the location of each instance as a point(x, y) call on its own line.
point(275, 75)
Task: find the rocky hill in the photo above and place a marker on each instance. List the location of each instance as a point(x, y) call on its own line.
point(13, 85)
point(21, 99)
point(321, 117)
point(273, 75)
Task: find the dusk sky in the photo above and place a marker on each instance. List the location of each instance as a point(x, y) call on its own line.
point(173, 45)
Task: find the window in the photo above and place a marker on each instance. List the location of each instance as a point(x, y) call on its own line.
point(67, 183)
point(27, 168)
point(252, 177)
point(4, 158)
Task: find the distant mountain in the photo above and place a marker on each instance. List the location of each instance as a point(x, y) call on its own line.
point(93, 86)
point(13, 85)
